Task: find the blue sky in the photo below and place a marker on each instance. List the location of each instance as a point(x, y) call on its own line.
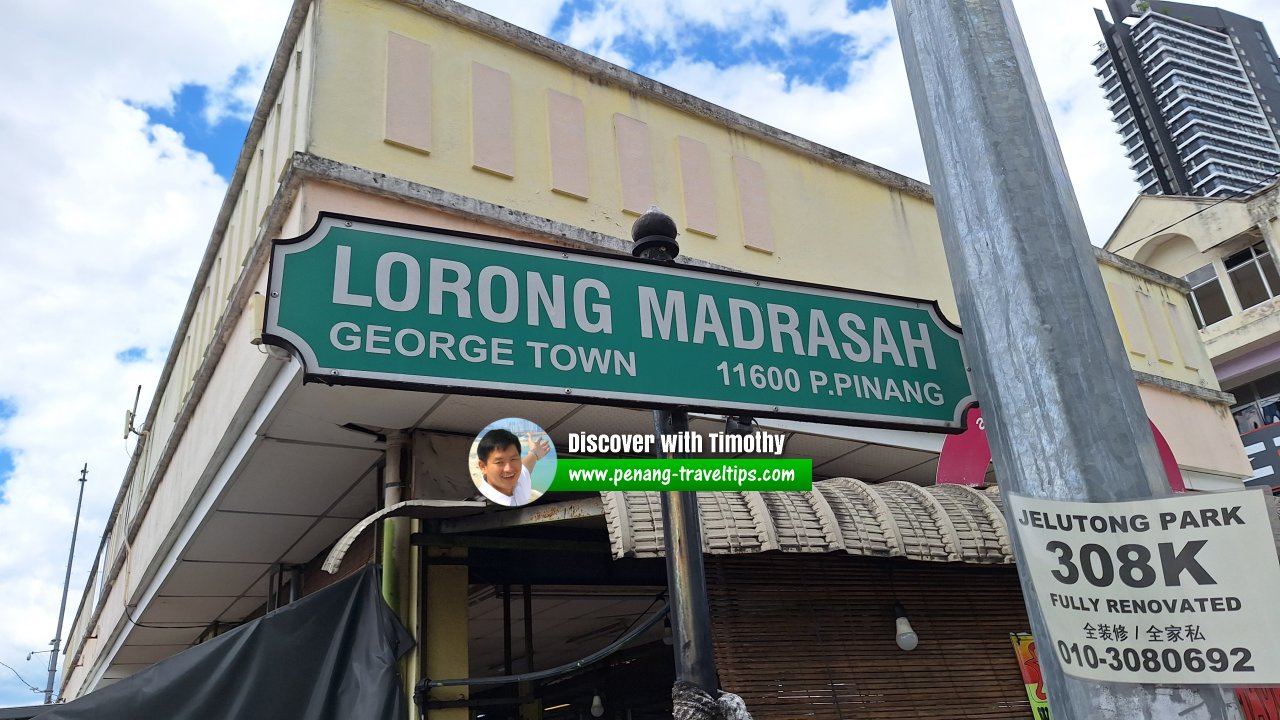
point(220, 141)
point(7, 410)
point(818, 58)
point(132, 355)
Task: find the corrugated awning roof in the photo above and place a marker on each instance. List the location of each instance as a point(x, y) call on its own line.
point(942, 523)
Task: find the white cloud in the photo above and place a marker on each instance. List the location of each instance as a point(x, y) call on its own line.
point(106, 218)
point(671, 21)
point(865, 118)
point(237, 96)
point(871, 117)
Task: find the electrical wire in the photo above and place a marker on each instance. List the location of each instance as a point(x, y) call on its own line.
point(1232, 196)
point(135, 623)
point(642, 614)
point(31, 687)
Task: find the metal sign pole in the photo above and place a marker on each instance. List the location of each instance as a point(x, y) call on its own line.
point(655, 236)
point(1063, 412)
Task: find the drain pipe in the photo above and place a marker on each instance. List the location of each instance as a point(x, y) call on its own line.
point(395, 531)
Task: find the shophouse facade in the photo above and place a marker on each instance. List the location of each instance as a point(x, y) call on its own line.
point(1225, 250)
point(427, 113)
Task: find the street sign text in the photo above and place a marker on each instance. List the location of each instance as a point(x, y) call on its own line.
point(365, 302)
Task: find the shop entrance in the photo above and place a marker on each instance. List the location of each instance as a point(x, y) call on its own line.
point(546, 597)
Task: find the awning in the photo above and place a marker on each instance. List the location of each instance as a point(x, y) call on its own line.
point(941, 523)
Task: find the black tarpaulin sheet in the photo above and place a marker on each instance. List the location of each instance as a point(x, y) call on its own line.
point(329, 656)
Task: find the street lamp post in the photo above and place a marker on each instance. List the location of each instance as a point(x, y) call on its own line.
point(654, 234)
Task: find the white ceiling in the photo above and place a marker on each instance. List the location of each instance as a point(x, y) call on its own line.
point(308, 479)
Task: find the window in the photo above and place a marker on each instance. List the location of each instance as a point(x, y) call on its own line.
point(1208, 303)
point(1253, 273)
point(1248, 418)
point(1251, 416)
point(1270, 410)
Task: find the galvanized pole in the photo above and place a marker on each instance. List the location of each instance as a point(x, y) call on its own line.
point(655, 236)
point(66, 585)
point(686, 579)
point(1063, 412)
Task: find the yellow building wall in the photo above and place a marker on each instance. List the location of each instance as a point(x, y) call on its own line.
point(1179, 235)
point(1201, 435)
point(1207, 221)
point(1155, 323)
point(1244, 331)
point(829, 224)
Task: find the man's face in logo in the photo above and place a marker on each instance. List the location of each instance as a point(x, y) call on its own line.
point(502, 469)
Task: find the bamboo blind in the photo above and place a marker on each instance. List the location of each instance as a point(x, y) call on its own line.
point(802, 636)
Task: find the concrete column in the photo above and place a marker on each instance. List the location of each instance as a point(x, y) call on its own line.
point(1228, 289)
point(1265, 220)
point(444, 637)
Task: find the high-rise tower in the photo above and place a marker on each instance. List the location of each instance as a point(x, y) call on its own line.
point(1192, 90)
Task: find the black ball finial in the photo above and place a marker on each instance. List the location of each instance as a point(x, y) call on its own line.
point(654, 233)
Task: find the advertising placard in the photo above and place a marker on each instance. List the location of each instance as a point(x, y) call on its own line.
point(1024, 645)
point(364, 302)
point(1176, 590)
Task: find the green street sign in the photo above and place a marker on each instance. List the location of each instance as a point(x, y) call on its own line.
point(373, 303)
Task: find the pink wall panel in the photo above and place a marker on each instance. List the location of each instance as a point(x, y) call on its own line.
point(1158, 327)
point(408, 100)
point(568, 135)
point(492, 145)
point(1125, 301)
point(635, 163)
point(753, 199)
point(699, 189)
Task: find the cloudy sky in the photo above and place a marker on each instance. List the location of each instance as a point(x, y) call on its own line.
point(121, 121)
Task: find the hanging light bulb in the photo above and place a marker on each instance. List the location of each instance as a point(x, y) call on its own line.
point(904, 635)
point(597, 706)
